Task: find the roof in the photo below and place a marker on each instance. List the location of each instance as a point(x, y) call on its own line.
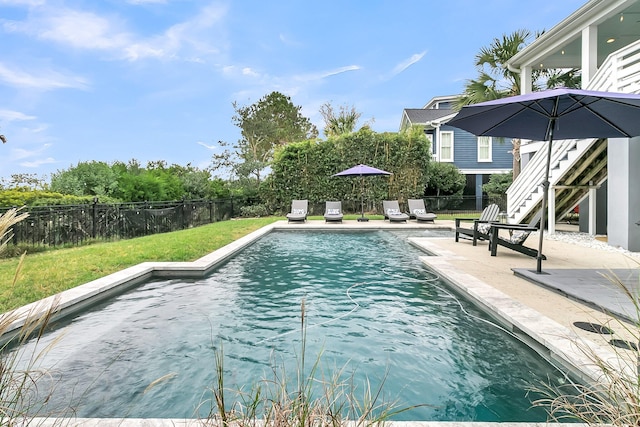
point(561, 46)
point(420, 116)
point(433, 102)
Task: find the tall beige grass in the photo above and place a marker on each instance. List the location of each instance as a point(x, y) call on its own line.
point(310, 398)
point(22, 395)
point(615, 398)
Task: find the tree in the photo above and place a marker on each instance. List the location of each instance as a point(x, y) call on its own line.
point(23, 181)
point(497, 186)
point(305, 169)
point(196, 183)
point(85, 179)
point(444, 179)
point(271, 122)
point(342, 123)
point(495, 80)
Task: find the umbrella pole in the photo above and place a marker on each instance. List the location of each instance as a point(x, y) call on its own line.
point(545, 198)
point(362, 196)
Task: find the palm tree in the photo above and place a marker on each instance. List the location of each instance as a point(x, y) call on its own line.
point(495, 80)
point(339, 124)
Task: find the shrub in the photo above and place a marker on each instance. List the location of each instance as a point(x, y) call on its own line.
point(254, 211)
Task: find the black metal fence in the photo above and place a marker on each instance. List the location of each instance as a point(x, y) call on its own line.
point(64, 225)
point(453, 204)
point(75, 224)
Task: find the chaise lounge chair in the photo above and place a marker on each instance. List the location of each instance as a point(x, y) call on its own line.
point(392, 211)
point(299, 211)
point(418, 211)
point(518, 233)
point(333, 212)
point(481, 226)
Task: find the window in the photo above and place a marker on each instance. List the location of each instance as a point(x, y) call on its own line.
point(429, 137)
point(484, 149)
point(446, 146)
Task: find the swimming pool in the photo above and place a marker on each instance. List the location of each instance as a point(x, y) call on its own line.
point(369, 307)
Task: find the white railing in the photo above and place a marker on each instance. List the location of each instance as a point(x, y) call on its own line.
point(524, 186)
point(620, 72)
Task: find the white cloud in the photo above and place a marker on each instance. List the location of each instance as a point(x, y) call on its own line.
point(30, 3)
point(286, 40)
point(181, 37)
point(324, 74)
point(89, 31)
point(10, 116)
point(208, 147)
point(82, 30)
point(37, 163)
point(46, 80)
point(234, 71)
point(341, 70)
point(38, 129)
point(147, 1)
point(407, 63)
point(246, 71)
point(21, 153)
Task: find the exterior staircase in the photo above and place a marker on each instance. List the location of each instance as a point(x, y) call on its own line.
point(576, 165)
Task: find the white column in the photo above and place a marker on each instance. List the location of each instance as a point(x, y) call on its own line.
point(623, 197)
point(526, 80)
point(551, 211)
point(589, 68)
point(592, 210)
point(589, 54)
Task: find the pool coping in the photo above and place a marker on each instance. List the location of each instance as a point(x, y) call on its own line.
point(555, 342)
point(74, 300)
point(552, 340)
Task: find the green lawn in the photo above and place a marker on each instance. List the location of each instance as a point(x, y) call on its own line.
point(47, 273)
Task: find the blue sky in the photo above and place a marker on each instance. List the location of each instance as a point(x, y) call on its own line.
point(155, 79)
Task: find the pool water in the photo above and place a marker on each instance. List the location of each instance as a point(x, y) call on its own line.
point(370, 308)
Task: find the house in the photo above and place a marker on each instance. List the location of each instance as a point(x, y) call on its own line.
point(602, 40)
point(476, 157)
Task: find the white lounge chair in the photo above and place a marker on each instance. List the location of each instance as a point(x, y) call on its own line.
point(392, 211)
point(299, 210)
point(333, 212)
point(418, 211)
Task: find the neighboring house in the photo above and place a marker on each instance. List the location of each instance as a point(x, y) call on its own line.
point(602, 40)
point(476, 157)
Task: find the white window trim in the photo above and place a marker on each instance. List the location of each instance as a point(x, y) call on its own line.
point(440, 145)
point(490, 159)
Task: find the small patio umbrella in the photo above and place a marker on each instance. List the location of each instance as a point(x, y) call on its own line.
point(556, 113)
point(362, 171)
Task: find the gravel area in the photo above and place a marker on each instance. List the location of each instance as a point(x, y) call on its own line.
point(587, 240)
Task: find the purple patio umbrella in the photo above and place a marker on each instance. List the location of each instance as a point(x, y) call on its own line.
point(556, 113)
point(362, 171)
